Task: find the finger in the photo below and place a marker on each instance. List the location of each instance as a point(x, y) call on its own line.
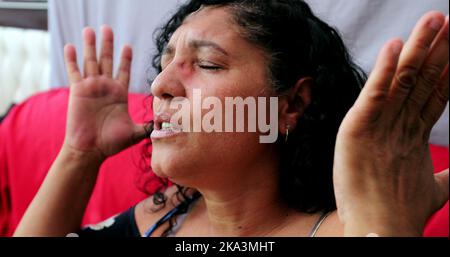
point(431, 72)
point(374, 94)
point(90, 56)
point(123, 75)
point(437, 102)
point(412, 57)
point(70, 57)
point(441, 179)
point(107, 52)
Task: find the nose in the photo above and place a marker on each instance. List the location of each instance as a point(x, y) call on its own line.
point(168, 84)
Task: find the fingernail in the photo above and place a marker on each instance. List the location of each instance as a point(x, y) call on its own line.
point(436, 24)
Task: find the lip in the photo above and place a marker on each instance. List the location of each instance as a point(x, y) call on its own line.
point(158, 132)
point(160, 118)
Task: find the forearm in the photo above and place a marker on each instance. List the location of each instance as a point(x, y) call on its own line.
point(59, 205)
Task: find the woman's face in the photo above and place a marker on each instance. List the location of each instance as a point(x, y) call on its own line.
point(208, 53)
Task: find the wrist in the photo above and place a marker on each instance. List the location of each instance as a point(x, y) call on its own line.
point(91, 159)
point(360, 227)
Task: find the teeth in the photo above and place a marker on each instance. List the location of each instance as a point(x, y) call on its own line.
point(166, 125)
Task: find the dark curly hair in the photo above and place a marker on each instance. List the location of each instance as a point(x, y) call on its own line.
point(298, 45)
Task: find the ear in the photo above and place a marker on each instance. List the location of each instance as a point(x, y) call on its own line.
point(294, 104)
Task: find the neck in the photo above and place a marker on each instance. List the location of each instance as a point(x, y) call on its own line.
point(247, 205)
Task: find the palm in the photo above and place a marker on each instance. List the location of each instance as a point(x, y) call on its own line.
point(98, 118)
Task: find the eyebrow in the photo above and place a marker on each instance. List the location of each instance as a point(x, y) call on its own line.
point(197, 44)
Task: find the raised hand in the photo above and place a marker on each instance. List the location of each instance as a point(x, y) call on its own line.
point(98, 121)
point(383, 174)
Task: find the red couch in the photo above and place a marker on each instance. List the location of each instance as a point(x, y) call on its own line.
point(30, 138)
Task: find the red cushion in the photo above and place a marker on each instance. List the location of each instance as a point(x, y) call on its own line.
point(438, 225)
point(30, 139)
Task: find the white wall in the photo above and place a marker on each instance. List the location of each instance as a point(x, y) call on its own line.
point(367, 24)
point(133, 22)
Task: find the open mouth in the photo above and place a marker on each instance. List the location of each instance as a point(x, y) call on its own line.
point(164, 128)
point(169, 127)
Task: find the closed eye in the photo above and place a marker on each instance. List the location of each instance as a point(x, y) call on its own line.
point(208, 66)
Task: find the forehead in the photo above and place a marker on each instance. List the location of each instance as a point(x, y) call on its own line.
point(209, 23)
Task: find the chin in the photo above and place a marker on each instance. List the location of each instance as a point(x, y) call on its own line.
point(172, 165)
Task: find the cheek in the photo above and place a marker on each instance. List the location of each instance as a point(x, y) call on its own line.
point(196, 150)
point(168, 159)
point(223, 149)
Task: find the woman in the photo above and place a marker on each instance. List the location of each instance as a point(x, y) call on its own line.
point(229, 184)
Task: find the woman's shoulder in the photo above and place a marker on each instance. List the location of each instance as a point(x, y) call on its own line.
point(331, 226)
point(152, 209)
point(120, 225)
point(135, 221)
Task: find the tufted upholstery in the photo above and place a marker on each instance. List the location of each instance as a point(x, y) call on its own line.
point(24, 64)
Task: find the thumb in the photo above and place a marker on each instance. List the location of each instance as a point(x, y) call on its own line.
point(142, 131)
point(441, 180)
